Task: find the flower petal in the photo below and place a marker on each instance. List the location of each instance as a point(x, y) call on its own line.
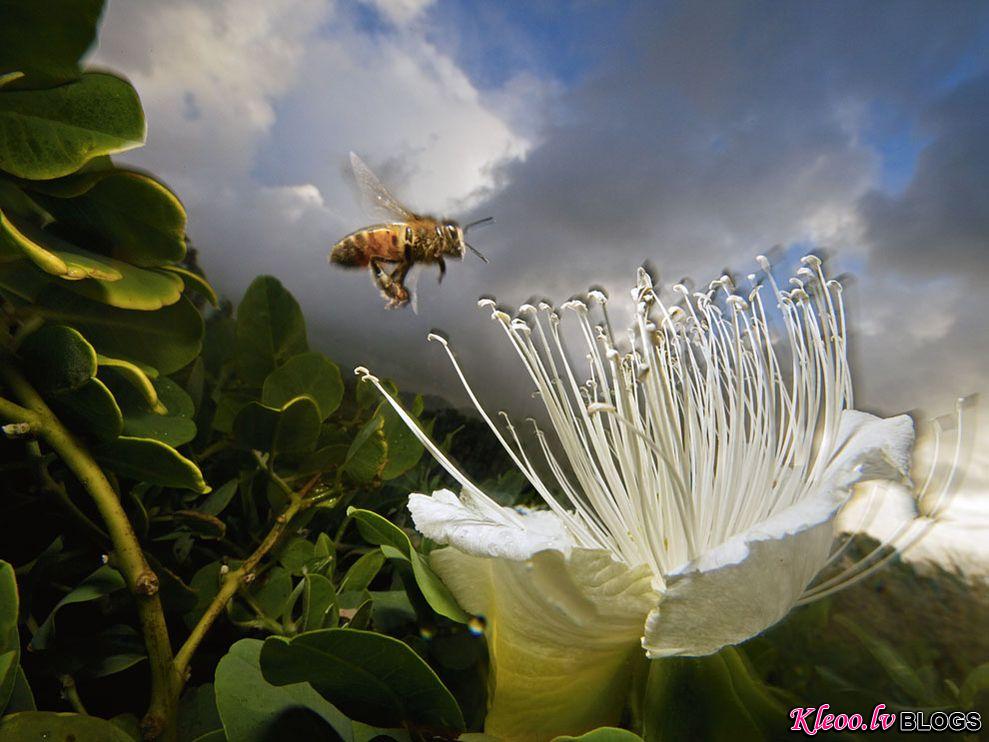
point(563, 635)
point(563, 623)
point(753, 579)
point(447, 519)
point(870, 447)
point(743, 586)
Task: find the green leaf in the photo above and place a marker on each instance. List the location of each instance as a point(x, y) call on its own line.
point(230, 403)
point(196, 283)
point(270, 329)
point(8, 77)
point(148, 460)
point(21, 698)
point(366, 457)
point(138, 288)
point(167, 339)
point(10, 642)
point(318, 603)
point(361, 617)
point(219, 499)
point(310, 374)
point(604, 734)
point(137, 377)
point(253, 710)
point(295, 554)
point(44, 40)
point(713, 698)
point(113, 650)
point(270, 593)
point(395, 544)
point(172, 423)
point(895, 665)
point(362, 571)
point(50, 133)
point(201, 524)
point(22, 239)
point(205, 584)
point(21, 278)
point(197, 712)
point(57, 358)
point(370, 677)
point(293, 428)
point(976, 683)
point(378, 530)
point(91, 407)
point(132, 216)
point(22, 207)
point(391, 610)
point(404, 449)
point(98, 584)
point(52, 727)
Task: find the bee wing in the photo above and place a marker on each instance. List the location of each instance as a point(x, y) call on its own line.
point(375, 198)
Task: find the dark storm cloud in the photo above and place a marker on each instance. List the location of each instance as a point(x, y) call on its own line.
point(700, 135)
point(717, 130)
point(940, 224)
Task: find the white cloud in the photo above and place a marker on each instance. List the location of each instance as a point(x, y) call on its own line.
point(400, 12)
point(253, 106)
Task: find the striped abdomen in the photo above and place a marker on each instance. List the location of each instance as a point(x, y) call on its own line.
point(386, 242)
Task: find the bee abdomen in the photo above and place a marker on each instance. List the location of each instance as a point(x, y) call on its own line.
point(351, 250)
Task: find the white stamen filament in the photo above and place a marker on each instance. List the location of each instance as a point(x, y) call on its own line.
point(693, 434)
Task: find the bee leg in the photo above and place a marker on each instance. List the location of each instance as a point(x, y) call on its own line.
point(396, 282)
point(442, 264)
point(391, 285)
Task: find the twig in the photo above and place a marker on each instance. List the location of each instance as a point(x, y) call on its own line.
point(72, 694)
point(236, 578)
point(141, 580)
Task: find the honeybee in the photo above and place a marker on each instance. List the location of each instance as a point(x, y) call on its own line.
point(412, 238)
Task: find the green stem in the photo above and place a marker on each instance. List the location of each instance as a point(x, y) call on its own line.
point(141, 580)
point(237, 578)
point(72, 694)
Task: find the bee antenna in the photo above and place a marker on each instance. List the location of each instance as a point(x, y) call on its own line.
point(476, 252)
point(485, 220)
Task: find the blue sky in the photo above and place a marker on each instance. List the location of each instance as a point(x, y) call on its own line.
point(600, 135)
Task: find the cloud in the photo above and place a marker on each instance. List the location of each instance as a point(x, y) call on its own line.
point(691, 135)
point(253, 106)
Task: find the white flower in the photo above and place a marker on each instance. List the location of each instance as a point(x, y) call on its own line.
point(695, 481)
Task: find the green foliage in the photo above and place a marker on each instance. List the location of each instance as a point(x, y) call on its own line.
point(53, 132)
point(233, 448)
point(44, 41)
point(10, 644)
point(370, 677)
point(604, 734)
point(713, 698)
point(53, 727)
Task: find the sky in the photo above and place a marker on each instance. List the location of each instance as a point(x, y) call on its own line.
point(600, 135)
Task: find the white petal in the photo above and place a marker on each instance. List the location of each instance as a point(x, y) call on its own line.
point(870, 447)
point(563, 636)
point(744, 586)
point(447, 519)
point(752, 580)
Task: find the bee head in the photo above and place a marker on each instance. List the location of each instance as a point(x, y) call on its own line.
point(453, 237)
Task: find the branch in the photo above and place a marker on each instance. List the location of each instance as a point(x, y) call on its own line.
point(141, 580)
point(72, 694)
point(238, 577)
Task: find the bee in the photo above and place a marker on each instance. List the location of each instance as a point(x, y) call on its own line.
point(392, 248)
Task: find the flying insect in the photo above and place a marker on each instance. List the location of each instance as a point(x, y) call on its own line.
point(392, 248)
